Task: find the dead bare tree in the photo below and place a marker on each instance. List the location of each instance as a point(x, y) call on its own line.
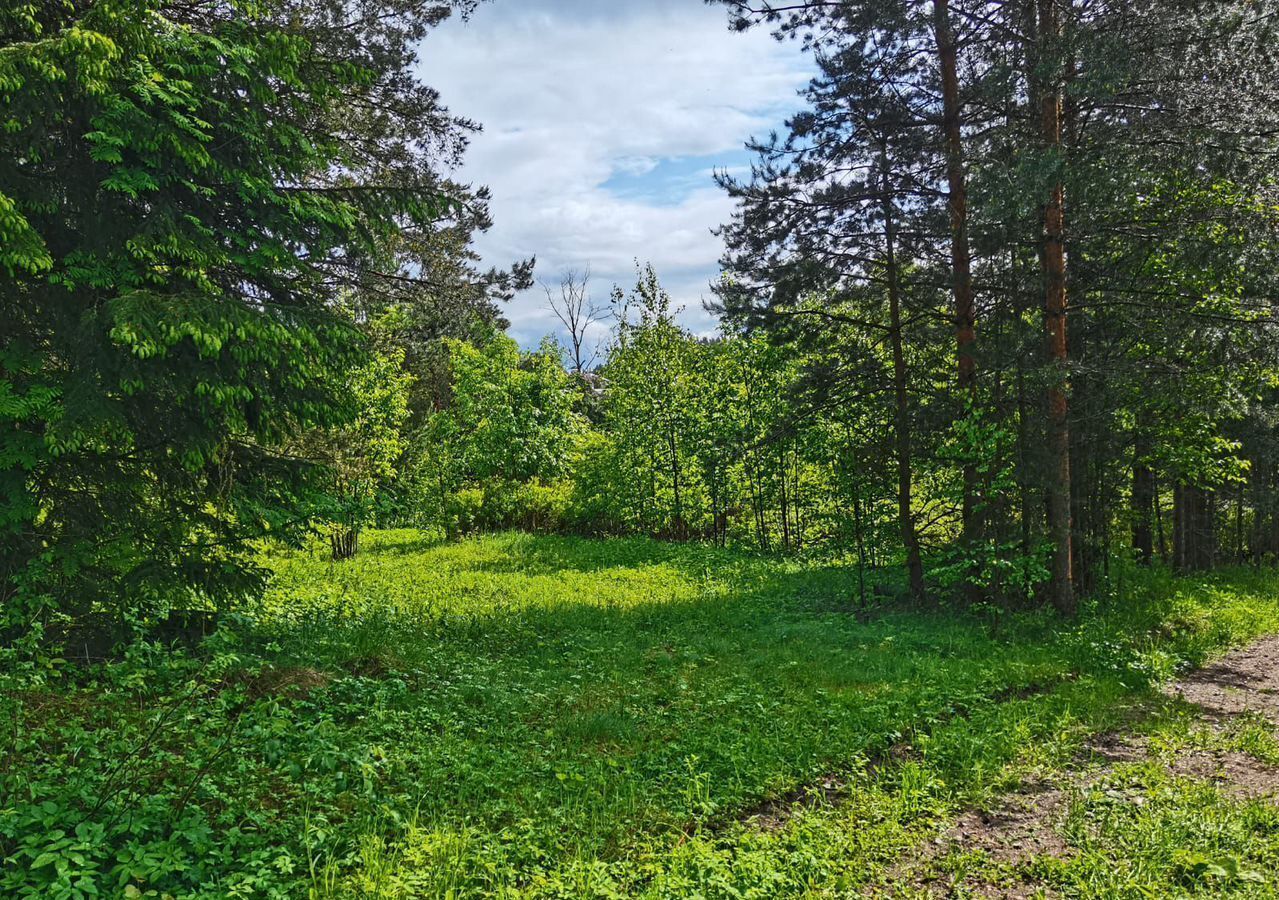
point(573, 307)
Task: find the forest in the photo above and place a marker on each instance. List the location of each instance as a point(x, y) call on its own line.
point(912, 579)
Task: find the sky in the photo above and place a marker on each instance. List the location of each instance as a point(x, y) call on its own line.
point(603, 122)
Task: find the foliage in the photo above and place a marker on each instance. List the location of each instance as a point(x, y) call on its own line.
point(181, 188)
point(652, 395)
point(364, 455)
point(508, 428)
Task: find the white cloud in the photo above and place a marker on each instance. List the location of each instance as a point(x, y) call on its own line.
point(572, 94)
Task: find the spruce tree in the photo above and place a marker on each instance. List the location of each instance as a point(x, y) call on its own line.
point(184, 189)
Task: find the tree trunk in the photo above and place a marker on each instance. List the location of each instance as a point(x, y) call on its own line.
point(1086, 509)
point(1259, 494)
point(677, 526)
point(715, 511)
point(1143, 499)
point(1241, 551)
point(345, 543)
point(797, 499)
point(757, 502)
point(1208, 539)
point(861, 547)
point(1194, 529)
point(784, 499)
point(960, 256)
point(1178, 529)
point(1027, 511)
point(906, 518)
point(1053, 250)
point(1159, 520)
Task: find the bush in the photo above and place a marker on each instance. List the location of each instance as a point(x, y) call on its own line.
point(464, 511)
point(504, 505)
point(541, 507)
point(595, 505)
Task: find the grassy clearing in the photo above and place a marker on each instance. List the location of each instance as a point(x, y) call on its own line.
point(541, 716)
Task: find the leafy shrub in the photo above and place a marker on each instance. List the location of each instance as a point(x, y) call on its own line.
point(596, 506)
point(532, 506)
point(464, 511)
point(504, 505)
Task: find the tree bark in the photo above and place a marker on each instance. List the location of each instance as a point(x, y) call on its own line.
point(1053, 250)
point(906, 518)
point(1178, 529)
point(1159, 520)
point(1194, 529)
point(1241, 550)
point(345, 543)
point(1259, 494)
point(1143, 499)
point(861, 547)
point(1027, 512)
point(784, 499)
point(960, 253)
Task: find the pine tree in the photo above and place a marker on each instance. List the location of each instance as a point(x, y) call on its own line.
point(824, 215)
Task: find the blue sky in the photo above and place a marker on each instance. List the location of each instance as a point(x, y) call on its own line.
point(603, 122)
point(667, 181)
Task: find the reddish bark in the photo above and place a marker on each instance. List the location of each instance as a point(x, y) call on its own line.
point(1053, 252)
point(960, 253)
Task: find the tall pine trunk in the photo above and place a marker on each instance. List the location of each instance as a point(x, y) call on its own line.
point(960, 254)
point(1053, 252)
point(906, 518)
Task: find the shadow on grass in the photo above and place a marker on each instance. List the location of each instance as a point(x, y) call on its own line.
point(401, 542)
point(757, 689)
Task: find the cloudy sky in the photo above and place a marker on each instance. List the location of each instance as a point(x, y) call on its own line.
point(603, 122)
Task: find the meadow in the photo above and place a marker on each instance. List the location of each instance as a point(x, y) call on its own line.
point(537, 716)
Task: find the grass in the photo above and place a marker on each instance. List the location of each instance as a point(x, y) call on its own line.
point(1141, 828)
point(553, 717)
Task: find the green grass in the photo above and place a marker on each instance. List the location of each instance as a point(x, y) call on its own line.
point(553, 717)
point(1141, 828)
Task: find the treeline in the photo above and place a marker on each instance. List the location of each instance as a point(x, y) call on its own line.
point(1044, 234)
point(672, 435)
point(725, 440)
point(999, 305)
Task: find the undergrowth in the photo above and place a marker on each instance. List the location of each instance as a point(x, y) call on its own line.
point(554, 717)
